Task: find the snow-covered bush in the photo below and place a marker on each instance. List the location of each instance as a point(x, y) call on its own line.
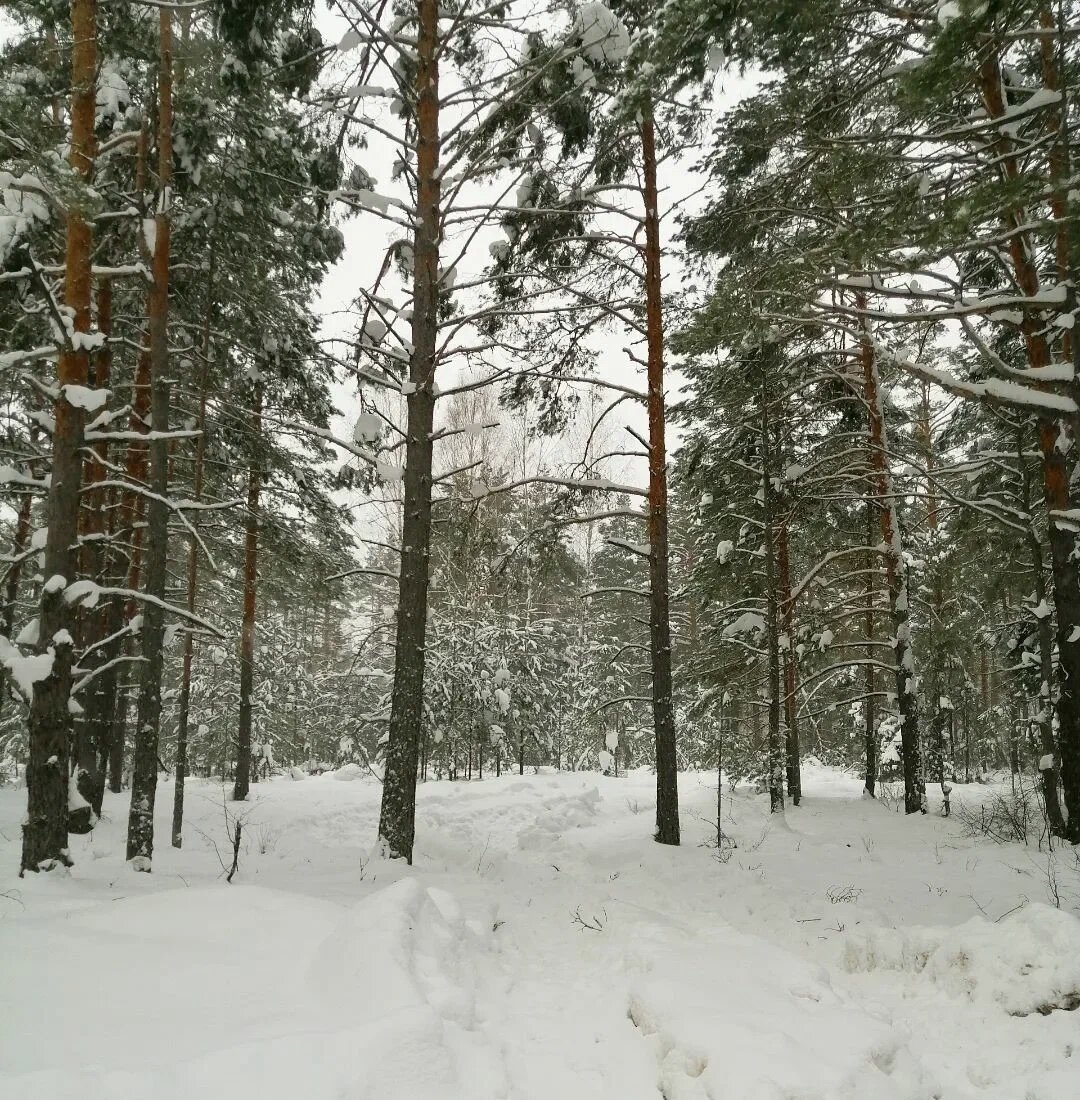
point(1012, 816)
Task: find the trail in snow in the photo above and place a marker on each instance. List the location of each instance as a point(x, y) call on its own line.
point(543, 948)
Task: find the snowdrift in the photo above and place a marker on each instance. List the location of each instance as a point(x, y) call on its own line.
point(1028, 962)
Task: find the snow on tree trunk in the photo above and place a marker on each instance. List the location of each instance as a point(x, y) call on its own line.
point(91, 732)
point(1043, 724)
point(184, 705)
point(1045, 637)
point(45, 831)
point(787, 628)
point(1056, 488)
point(870, 738)
point(247, 628)
point(140, 840)
point(1066, 247)
point(11, 586)
point(776, 757)
point(128, 568)
point(907, 702)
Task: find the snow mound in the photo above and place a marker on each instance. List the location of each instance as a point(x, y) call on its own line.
point(1029, 962)
point(349, 773)
point(402, 970)
point(559, 815)
point(409, 942)
point(784, 1035)
point(276, 996)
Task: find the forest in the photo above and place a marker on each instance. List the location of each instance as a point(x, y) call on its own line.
point(571, 425)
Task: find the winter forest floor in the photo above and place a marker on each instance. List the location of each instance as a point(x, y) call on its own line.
point(542, 948)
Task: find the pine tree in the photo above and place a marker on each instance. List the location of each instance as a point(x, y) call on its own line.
point(45, 831)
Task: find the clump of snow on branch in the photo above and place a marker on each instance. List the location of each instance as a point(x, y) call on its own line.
point(113, 93)
point(22, 206)
point(25, 671)
point(368, 428)
point(601, 33)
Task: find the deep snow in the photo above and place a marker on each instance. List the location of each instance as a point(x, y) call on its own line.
point(541, 947)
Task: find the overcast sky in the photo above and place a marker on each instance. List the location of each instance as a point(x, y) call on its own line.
point(367, 239)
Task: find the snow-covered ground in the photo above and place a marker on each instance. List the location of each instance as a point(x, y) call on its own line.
point(542, 948)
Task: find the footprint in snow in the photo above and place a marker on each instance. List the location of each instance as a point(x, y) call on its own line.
point(680, 1069)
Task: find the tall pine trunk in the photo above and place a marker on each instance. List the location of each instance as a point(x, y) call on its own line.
point(45, 831)
point(127, 563)
point(870, 738)
point(667, 769)
point(1057, 496)
point(907, 700)
point(184, 706)
point(140, 840)
point(939, 712)
point(91, 735)
point(776, 760)
point(790, 668)
point(102, 699)
point(1043, 724)
point(242, 779)
point(1044, 630)
point(397, 816)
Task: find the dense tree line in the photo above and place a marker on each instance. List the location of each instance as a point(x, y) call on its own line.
point(862, 545)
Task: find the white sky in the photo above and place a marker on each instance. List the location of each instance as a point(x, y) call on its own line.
point(367, 238)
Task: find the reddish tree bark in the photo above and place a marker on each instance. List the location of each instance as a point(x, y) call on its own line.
point(1065, 568)
point(397, 815)
point(667, 769)
point(907, 701)
point(45, 831)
